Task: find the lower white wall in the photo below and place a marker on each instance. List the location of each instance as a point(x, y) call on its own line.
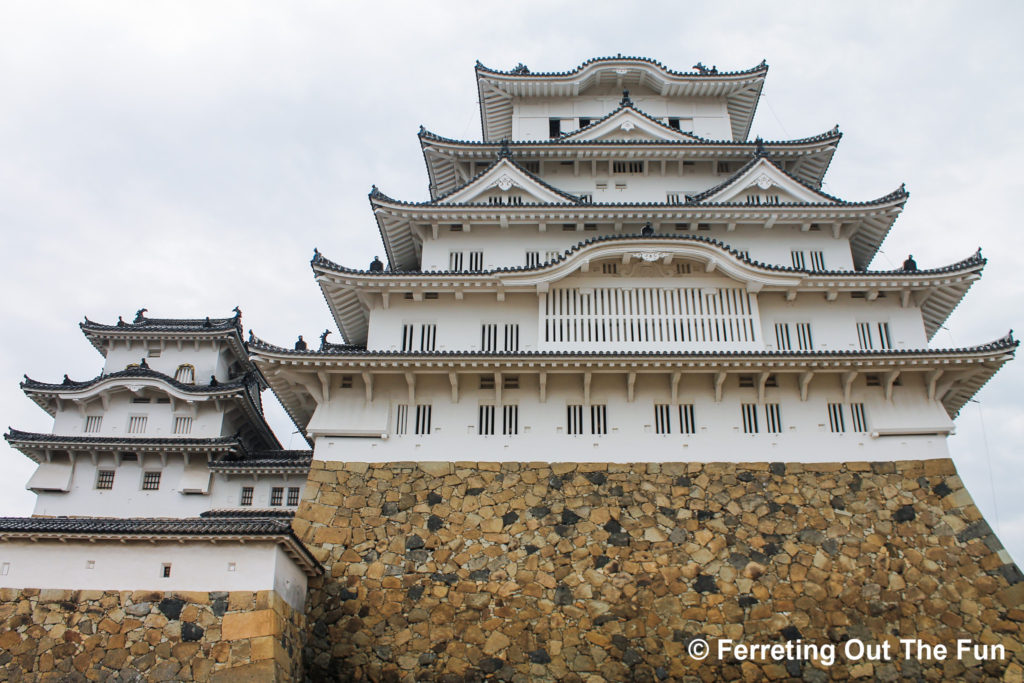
point(138, 566)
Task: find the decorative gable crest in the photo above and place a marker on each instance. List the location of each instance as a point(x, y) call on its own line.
point(503, 176)
point(626, 123)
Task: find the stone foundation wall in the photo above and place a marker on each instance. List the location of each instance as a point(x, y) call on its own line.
point(604, 572)
point(60, 635)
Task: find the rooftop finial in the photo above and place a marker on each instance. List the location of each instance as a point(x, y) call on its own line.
point(143, 364)
point(213, 381)
point(521, 68)
point(376, 265)
point(67, 380)
point(121, 322)
point(252, 337)
point(238, 312)
point(207, 323)
point(759, 147)
point(300, 345)
point(626, 102)
point(316, 253)
point(140, 315)
point(910, 265)
point(323, 339)
point(504, 152)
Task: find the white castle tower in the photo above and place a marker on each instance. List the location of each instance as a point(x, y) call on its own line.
point(616, 273)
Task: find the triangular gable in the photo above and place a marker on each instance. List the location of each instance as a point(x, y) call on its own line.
point(507, 183)
point(763, 178)
point(626, 123)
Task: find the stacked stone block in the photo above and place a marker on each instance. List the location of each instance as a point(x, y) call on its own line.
point(606, 572)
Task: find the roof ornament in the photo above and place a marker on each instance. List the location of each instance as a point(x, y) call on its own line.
point(140, 316)
point(1008, 339)
point(910, 265)
point(977, 254)
point(300, 345)
point(504, 152)
point(323, 339)
point(625, 102)
point(213, 381)
point(521, 68)
point(206, 323)
point(835, 128)
point(238, 312)
point(67, 380)
point(699, 66)
point(376, 265)
point(252, 337)
point(121, 322)
point(316, 253)
point(143, 364)
point(647, 230)
point(759, 147)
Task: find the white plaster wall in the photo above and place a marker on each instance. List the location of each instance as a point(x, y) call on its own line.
point(127, 499)
point(503, 248)
point(138, 566)
point(806, 435)
point(207, 420)
point(530, 115)
point(208, 357)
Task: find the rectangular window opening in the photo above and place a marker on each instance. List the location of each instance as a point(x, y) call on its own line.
point(276, 496)
point(662, 418)
point(105, 479)
point(151, 481)
point(687, 425)
point(246, 498)
point(423, 413)
point(749, 411)
point(293, 495)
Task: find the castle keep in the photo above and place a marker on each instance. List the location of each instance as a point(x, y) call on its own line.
point(626, 380)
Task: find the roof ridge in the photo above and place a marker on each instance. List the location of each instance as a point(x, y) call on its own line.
point(522, 71)
point(832, 133)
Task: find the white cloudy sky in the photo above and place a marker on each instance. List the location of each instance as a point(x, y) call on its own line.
point(188, 156)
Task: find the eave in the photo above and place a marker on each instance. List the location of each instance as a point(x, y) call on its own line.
point(740, 89)
point(954, 375)
point(38, 447)
point(806, 158)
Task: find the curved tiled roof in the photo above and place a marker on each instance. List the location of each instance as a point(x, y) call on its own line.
point(267, 459)
point(1004, 343)
point(832, 134)
point(973, 260)
point(129, 373)
point(36, 437)
point(249, 513)
point(763, 66)
point(167, 324)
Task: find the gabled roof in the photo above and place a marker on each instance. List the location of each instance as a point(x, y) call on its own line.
point(809, 157)
point(504, 175)
point(633, 124)
point(226, 528)
point(271, 461)
point(740, 89)
point(229, 329)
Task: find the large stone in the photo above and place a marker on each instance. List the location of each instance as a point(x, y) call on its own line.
point(238, 625)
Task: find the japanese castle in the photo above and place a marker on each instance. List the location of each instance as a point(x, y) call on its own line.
point(615, 273)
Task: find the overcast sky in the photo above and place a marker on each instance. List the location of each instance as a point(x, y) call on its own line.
point(188, 157)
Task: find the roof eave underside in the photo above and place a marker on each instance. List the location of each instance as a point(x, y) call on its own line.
point(496, 92)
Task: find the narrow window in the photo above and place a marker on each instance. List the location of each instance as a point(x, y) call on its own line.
point(857, 419)
point(407, 336)
point(554, 128)
point(486, 381)
point(532, 166)
point(610, 268)
point(772, 418)
point(586, 198)
point(154, 353)
point(782, 338)
point(138, 399)
point(485, 420)
point(574, 419)
point(836, 420)
point(137, 424)
point(510, 420)
point(630, 167)
point(293, 495)
point(401, 419)
point(682, 226)
point(346, 381)
point(151, 481)
point(428, 337)
point(423, 419)
point(510, 382)
point(599, 419)
point(93, 423)
point(489, 337)
point(817, 260)
point(673, 197)
point(884, 340)
point(686, 421)
point(673, 122)
point(803, 337)
point(246, 496)
point(165, 570)
point(662, 418)
point(532, 259)
point(550, 256)
point(512, 337)
point(186, 374)
point(476, 259)
point(724, 167)
point(105, 479)
point(183, 425)
point(584, 121)
point(873, 379)
point(798, 259)
point(749, 411)
point(746, 381)
point(864, 336)
point(455, 261)
point(276, 496)
point(683, 269)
